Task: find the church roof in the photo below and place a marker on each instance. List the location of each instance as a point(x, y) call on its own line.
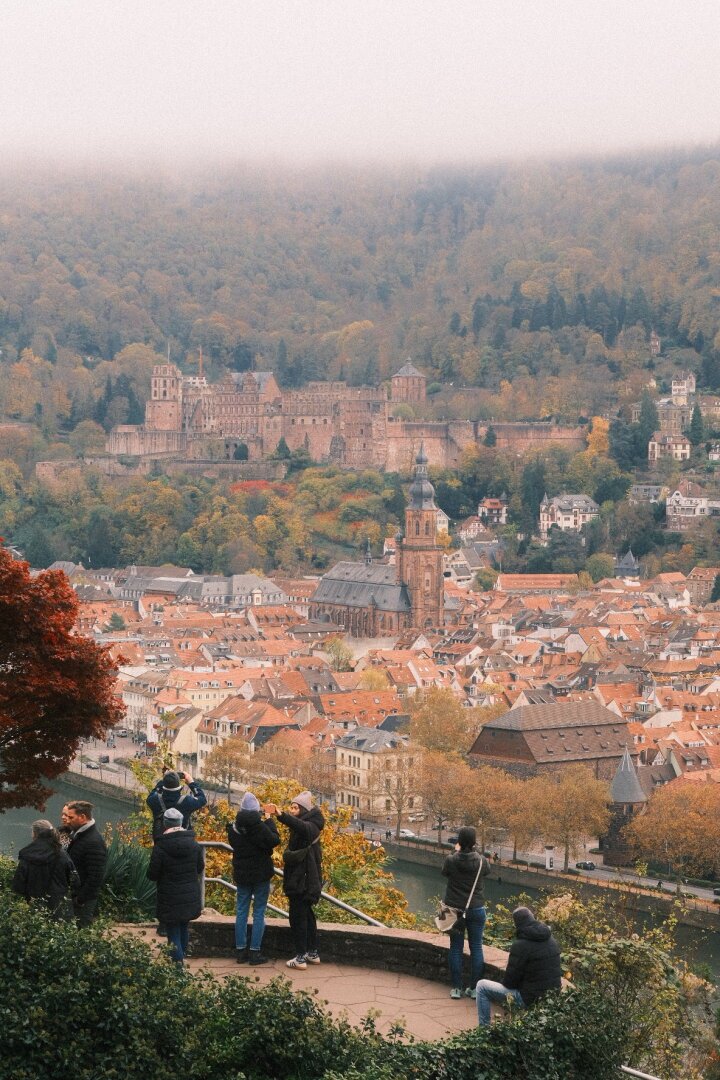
point(626, 787)
point(409, 370)
point(361, 585)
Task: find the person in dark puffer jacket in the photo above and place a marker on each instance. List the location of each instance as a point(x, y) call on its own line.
point(168, 794)
point(176, 864)
point(252, 841)
point(302, 874)
point(533, 967)
point(45, 872)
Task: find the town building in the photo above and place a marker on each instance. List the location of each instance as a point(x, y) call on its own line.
point(493, 512)
point(536, 739)
point(374, 771)
point(700, 583)
point(568, 512)
point(675, 447)
point(686, 507)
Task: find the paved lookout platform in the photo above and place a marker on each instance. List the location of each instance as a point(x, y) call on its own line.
point(398, 976)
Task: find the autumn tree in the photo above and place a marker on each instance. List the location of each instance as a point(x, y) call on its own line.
point(341, 655)
point(374, 678)
point(680, 828)
point(439, 721)
point(445, 782)
point(570, 806)
point(394, 777)
point(227, 762)
point(56, 686)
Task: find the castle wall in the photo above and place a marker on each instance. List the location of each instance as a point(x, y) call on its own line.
point(140, 442)
point(522, 436)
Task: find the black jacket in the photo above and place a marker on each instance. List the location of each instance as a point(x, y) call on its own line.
point(252, 841)
point(176, 864)
point(89, 854)
point(460, 868)
point(45, 872)
point(302, 877)
point(534, 962)
point(187, 802)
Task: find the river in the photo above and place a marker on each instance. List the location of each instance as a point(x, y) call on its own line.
point(422, 885)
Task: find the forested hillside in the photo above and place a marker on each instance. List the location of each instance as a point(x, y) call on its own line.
point(547, 277)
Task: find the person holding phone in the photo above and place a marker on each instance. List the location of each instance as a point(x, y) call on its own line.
point(302, 874)
point(168, 794)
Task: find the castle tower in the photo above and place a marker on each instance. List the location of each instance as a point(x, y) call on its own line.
point(408, 385)
point(419, 559)
point(163, 412)
point(627, 799)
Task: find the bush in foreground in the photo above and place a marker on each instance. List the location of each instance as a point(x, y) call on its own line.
point(83, 1005)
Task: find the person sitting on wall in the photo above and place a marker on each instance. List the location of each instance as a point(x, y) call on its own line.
point(533, 968)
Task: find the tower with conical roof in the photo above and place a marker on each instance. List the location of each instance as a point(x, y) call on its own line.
point(627, 798)
point(419, 559)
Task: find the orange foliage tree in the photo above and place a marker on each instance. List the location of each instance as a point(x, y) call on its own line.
point(56, 686)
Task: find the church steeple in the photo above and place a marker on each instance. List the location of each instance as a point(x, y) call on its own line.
point(418, 557)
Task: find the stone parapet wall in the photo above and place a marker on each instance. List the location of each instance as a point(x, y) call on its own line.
point(408, 952)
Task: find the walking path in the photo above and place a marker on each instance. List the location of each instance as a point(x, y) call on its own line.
point(424, 1009)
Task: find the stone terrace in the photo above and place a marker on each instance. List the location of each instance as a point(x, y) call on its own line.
point(404, 979)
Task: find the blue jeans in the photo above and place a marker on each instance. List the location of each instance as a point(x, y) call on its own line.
point(259, 895)
point(488, 991)
point(178, 935)
point(475, 923)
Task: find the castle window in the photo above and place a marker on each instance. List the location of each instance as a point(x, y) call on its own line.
point(427, 528)
point(417, 528)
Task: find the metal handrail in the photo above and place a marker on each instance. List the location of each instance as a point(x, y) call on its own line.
point(334, 900)
point(627, 1071)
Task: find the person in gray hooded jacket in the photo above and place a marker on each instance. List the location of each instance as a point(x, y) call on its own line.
point(533, 967)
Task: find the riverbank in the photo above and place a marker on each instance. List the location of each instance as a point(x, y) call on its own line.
point(694, 913)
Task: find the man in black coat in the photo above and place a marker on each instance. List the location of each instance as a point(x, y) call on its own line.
point(252, 840)
point(533, 967)
point(88, 853)
point(176, 864)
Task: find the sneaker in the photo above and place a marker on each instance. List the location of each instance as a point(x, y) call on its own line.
point(242, 956)
point(255, 958)
point(471, 992)
point(456, 993)
point(297, 962)
point(312, 958)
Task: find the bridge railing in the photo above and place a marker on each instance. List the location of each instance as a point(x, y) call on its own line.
point(334, 900)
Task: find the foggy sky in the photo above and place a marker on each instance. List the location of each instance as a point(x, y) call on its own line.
point(358, 80)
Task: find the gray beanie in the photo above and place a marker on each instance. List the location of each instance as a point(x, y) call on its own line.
point(304, 799)
point(249, 802)
point(522, 916)
point(172, 819)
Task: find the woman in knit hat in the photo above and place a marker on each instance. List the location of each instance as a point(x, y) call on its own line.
point(176, 864)
point(465, 870)
point(252, 840)
point(302, 874)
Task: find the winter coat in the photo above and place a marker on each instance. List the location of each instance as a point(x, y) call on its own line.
point(460, 869)
point(252, 841)
point(45, 872)
point(534, 963)
point(302, 871)
point(159, 800)
point(89, 854)
point(176, 864)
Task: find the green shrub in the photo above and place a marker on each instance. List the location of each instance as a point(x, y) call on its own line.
point(127, 894)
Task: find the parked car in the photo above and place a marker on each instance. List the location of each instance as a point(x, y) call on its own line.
point(91, 765)
point(406, 834)
point(104, 759)
point(716, 892)
point(585, 865)
point(122, 733)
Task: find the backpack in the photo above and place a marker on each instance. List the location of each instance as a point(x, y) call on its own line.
point(157, 825)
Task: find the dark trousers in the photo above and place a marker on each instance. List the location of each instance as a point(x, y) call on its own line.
point(178, 936)
point(85, 912)
point(303, 925)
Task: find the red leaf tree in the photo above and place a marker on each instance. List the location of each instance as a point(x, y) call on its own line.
point(56, 686)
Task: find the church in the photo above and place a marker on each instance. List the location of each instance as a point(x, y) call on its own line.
point(373, 599)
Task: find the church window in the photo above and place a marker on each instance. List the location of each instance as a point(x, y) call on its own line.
point(427, 528)
point(417, 528)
